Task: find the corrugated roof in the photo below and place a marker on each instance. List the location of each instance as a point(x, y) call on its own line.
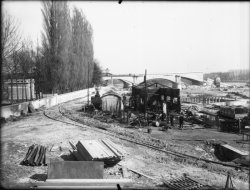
point(111, 92)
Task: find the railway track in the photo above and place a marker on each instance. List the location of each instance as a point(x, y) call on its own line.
point(62, 115)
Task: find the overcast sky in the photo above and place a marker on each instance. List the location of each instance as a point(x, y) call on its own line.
point(162, 37)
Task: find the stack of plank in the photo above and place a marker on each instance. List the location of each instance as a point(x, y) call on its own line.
point(97, 150)
point(36, 156)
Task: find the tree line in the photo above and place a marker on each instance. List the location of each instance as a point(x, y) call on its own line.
point(65, 60)
point(232, 75)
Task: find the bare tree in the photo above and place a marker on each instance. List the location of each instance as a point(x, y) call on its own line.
point(25, 59)
point(10, 43)
point(97, 73)
point(11, 36)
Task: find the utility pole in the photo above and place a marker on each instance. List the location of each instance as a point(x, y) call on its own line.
point(88, 82)
point(146, 95)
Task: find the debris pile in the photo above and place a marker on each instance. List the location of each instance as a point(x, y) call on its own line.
point(183, 182)
point(97, 150)
point(36, 156)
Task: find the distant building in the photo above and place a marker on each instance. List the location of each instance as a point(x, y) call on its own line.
point(22, 89)
point(158, 90)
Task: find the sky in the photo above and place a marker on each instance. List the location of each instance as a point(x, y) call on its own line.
point(162, 37)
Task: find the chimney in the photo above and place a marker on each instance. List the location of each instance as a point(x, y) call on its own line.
point(178, 82)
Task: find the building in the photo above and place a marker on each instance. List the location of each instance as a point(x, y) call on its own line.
point(19, 90)
point(112, 102)
point(157, 91)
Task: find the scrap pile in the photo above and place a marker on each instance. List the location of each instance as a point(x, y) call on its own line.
point(182, 183)
point(137, 120)
point(105, 117)
point(36, 156)
point(97, 150)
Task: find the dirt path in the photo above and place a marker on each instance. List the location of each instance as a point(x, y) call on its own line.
point(17, 136)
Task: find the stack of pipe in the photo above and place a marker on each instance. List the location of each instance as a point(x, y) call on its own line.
point(36, 156)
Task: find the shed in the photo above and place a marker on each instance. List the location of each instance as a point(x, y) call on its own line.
point(112, 102)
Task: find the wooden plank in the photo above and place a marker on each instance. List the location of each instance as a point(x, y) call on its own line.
point(27, 154)
point(33, 150)
point(32, 156)
point(109, 152)
point(78, 187)
point(121, 151)
point(100, 152)
point(39, 160)
point(90, 180)
point(135, 171)
point(94, 149)
point(44, 158)
point(83, 152)
point(37, 154)
point(235, 150)
point(72, 145)
point(75, 170)
point(51, 147)
point(140, 173)
point(85, 146)
point(43, 155)
point(85, 182)
point(115, 151)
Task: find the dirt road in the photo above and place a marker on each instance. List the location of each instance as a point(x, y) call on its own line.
point(17, 136)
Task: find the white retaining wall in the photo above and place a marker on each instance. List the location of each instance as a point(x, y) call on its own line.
point(16, 109)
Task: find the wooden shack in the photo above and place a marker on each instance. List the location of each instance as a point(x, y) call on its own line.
point(156, 93)
point(112, 102)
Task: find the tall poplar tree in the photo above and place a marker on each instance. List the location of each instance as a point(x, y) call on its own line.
point(67, 48)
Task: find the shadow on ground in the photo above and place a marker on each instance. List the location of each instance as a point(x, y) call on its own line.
point(39, 177)
point(68, 157)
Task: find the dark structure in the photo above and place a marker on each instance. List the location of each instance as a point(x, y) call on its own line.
point(97, 101)
point(155, 96)
point(233, 118)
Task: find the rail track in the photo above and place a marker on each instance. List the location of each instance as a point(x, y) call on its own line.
point(61, 115)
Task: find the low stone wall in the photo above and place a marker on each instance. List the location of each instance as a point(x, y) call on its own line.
point(16, 109)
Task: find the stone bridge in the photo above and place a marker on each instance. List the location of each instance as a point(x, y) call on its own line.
point(138, 78)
